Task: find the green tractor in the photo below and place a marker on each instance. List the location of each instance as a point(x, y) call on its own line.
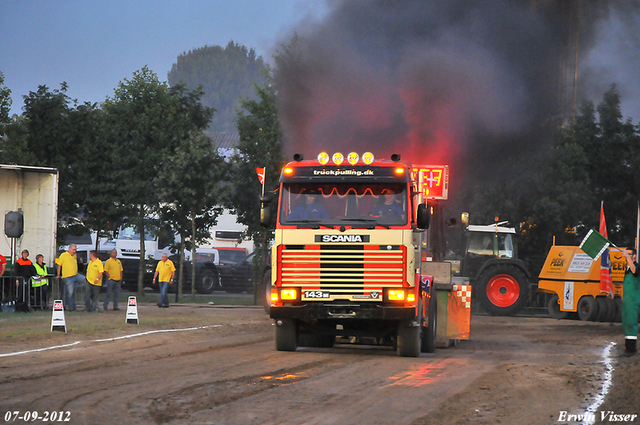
point(490, 261)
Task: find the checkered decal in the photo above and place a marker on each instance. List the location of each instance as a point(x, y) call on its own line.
point(464, 293)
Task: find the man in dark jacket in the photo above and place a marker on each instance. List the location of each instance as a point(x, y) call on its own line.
point(24, 270)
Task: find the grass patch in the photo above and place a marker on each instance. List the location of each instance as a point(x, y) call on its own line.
point(20, 331)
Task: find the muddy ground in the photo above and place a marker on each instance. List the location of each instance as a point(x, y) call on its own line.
point(519, 370)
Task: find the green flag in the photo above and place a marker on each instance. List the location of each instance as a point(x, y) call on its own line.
point(594, 244)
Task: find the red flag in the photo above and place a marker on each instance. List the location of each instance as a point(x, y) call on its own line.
point(260, 172)
point(606, 283)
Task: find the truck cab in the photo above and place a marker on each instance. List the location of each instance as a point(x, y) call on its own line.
point(345, 258)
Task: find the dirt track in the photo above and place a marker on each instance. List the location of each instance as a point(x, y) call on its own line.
point(513, 371)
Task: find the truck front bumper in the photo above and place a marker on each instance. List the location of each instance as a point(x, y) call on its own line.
point(323, 311)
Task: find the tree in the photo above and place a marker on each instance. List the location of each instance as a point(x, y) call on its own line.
point(192, 182)
point(144, 123)
point(47, 120)
point(259, 146)
point(98, 193)
point(5, 104)
point(54, 132)
point(226, 74)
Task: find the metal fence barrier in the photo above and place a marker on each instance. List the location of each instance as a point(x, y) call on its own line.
point(18, 294)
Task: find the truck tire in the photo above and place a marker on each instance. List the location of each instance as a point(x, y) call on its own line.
point(618, 302)
point(553, 306)
point(286, 335)
point(428, 340)
point(603, 309)
point(502, 290)
point(612, 310)
point(587, 308)
point(208, 282)
point(408, 339)
point(266, 290)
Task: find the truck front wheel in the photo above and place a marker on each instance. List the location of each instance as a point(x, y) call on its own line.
point(408, 339)
point(502, 290)
point(265, 290)
point(428, 342)
point(286, 335)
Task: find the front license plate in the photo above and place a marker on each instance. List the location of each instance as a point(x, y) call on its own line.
point(316, 294)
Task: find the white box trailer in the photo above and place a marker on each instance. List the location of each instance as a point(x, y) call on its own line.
point(33, 191)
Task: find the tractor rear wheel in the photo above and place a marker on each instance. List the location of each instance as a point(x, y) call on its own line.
point(553, 306)
point(587, 308)
point(502, 290)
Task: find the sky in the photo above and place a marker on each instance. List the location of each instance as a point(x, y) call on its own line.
point(93, 45)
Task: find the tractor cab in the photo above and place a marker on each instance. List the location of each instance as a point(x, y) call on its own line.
point(488, 256)
point(484, 243)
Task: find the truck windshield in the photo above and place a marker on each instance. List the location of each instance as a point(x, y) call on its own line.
point(231, 255)
point(131, 233)
point(349, 204)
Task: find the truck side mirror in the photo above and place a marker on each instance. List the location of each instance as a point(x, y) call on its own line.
point(423, 217)
point(265, 211)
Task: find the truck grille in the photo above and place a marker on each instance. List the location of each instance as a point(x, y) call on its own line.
point(343, 271)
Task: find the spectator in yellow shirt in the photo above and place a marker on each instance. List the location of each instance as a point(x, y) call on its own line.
point(167, 271)
point(94, 282)
point(113, 269)
point(68, 270)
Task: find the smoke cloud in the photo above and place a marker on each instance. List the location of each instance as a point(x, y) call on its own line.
point(464, 82)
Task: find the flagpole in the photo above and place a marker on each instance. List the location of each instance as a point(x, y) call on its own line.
point(264, 180)
point(638, 229)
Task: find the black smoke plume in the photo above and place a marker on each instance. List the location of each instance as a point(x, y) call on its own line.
point(471, 83)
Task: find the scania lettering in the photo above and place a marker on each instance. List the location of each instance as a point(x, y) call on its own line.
point(346, 260)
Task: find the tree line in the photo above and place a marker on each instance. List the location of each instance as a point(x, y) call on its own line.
point(593, 158)
point(144, 148)
point(141, 153)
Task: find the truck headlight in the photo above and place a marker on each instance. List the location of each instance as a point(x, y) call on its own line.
point(396, 294)
point(289, 294)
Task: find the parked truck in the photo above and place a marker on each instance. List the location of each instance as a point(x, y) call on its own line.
point(33, 192)
point(347, 262)
point(160, 241)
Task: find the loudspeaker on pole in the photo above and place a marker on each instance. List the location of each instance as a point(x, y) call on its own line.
point(13, 224)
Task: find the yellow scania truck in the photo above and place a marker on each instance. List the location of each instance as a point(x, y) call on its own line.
point(347, 256)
